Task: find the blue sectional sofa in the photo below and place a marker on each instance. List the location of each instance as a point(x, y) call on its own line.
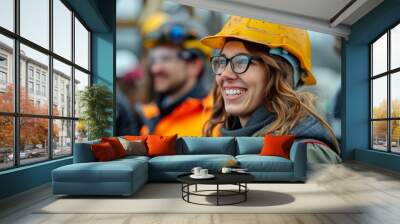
point(125, 176)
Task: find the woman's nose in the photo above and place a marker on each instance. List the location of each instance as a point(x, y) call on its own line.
point(228, 73)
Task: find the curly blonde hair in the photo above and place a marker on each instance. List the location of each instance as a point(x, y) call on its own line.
point(290, 106)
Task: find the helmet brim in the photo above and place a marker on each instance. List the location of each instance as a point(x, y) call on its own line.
point(218, 42)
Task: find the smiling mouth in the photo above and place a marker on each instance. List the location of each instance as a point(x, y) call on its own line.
point(233, 93)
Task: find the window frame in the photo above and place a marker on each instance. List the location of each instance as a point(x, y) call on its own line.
point(16, 115)
point(388, 74)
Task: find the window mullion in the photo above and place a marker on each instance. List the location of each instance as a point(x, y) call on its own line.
point(371, 97)
point(73, 82)
point(50, 80)
point(389, 106)
point(16, 83)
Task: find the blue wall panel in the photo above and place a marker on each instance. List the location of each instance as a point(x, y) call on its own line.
point(356, 85)
point(24, 178)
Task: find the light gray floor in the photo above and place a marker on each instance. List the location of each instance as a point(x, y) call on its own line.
point(378, 188)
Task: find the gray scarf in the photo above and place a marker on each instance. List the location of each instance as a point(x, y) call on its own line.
point(261, 118)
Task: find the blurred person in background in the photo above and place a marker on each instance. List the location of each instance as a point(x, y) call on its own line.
point(176, 63)
point(128, 121)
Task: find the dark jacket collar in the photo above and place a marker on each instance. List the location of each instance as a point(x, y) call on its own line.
point(258, 119)
point(308, 128)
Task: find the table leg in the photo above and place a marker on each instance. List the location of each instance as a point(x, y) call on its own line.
point(245, 193)
point(217, 194)
point(196, 188)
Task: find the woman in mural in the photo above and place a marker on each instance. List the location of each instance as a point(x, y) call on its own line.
point(259, 67)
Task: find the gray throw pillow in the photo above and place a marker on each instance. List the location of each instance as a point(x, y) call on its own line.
point(136, 147)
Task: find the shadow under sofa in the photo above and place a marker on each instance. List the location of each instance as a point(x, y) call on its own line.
point(126, 175)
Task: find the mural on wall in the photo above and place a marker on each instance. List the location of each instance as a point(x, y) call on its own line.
point(192, 72)
point(147, 82)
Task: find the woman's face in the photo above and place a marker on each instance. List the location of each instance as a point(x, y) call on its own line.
point(242, 93)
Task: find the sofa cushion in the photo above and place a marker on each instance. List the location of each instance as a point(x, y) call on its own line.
point(134, 147)
point(116, 145)
point(83, 152)
point(132, 158)
point(98, 172)
point(185, 163)
point(277, 145)
point(103, 152)
point(206, 145)
point(257, 163)
point(249, 145)
point(161, 145)
point(135, 137)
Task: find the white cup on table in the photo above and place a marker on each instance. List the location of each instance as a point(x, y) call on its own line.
point(203, 172)
point(226, 170)
point(196, 170)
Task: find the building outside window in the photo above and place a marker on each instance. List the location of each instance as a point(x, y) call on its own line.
point(30, 87)
point(43, 90)
point(59, 133)
point(38, 89)
point(3, 61)
point(3, 72)
point(30, 72)
point(3, 78)
point(43, 78)
point(385, 94)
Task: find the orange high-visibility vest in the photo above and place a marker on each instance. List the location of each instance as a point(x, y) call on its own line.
point(187, 119)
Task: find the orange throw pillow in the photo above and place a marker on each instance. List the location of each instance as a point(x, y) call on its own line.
point(161, 145)
point(135, 137)
point(278, 145)
point(116, 145)
point(103, 151)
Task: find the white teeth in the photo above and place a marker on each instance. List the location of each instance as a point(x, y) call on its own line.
point(233, 91)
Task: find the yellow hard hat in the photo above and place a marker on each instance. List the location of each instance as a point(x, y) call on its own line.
point(183, 32)
point(293, 40)
point(153, 22)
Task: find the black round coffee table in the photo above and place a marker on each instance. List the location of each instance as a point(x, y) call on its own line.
point(238, 179)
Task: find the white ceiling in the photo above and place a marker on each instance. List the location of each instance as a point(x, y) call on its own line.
point(327, 16)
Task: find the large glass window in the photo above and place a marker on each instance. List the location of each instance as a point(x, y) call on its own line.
point(7, 14)
point(6, 142)
point(62, 137)
point(47, 80)
point(395, 47)
point(40, 62)
point(62, 72)
point(33, 141)
point(62, 32)
point(81, 81)
point(385, 94)
point(6, 73)
point(81, 45)
point(34, 21)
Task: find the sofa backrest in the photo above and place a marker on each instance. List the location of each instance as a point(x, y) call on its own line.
point(83, 152)
point(205, 145)
point(190, 146)
point(249, 145)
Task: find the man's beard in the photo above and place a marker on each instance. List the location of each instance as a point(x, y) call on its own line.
point(176, 87)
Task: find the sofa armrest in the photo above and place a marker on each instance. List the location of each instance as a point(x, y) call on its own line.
point(83, 152)
point(298, 155)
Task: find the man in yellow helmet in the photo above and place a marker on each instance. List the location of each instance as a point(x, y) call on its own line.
point(177, 61)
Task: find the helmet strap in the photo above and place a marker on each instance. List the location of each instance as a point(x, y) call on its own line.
point(297, 71)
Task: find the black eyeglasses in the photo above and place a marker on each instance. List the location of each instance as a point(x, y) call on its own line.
point(239, 63)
